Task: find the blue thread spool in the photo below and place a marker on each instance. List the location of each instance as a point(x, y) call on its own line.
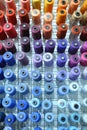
point(8, 128)
point(73, 128)
point(23, 73)
point(25, 128)
point(2, 116)
point(35, 117)
point(62, 119)
point(75, 117)
point(49, 88)
point(49, 117)
point(2, 62)
point(35, 103)
point(1, 74)
point(37, 128)
point(22, 116)
point(61, 104)
point(9, 74)
point(74, 86)
point(36, 76)
point(10, 89)
point(62, 44)
point(22, 105)
point(61, 60)
point(46, 105)
point(61, 76)
point(8, 102)
point(62, 128)
point(74, 106)
point(1, 103)
point(23, 88)
point(36, 91)
point(10, 119)
point(1, 89)
point(48, 77)
point(63, 90)
point(9, 58)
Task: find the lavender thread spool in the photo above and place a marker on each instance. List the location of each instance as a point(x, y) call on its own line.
point(10, 46)
point(21, 56)
point(74, 73)
point(38, 47)
point(48, 59)
point(36, 33)
point(61, 60)
point(37, 59)
point(25, 44)
point(50, 46)
point(84, 47)
point(24, 30)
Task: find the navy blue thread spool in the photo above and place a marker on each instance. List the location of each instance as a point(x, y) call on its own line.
point(1, 89)
point(10, 89)
point(1, 74)
point(37, 128)
point(48, 77)
point(74, 46)
point(49, 88)
point(62, 119)
point(49, 117)
point(73, 128)
point(1, 103)
point(50, 46)
point(46, 105)
point(2, 62)
point(35, 103)
point(10, 46)
point(63, 90)
point(23, 89)
point(10, 119)
point(8, 128)
point(62, 128)
point(9, 58)
point(75, 117)
point(61, 60)
point(36, 76)
point(36, 33)
point(35, 117)
point(25, 44)
point(74, 73)
point(37, 60)
point(48, 59)
point(62, 44)
point(38, 47)
point(23, 74)
point(22, 105)
point(24, 30)
point(9, 74)
point(8, 102)
point(22, 116)
point(36, 91)
point(61, 75)
point(2, 116)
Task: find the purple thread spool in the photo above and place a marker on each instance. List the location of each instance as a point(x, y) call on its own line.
point(10, 46)
point(74, 60)
point(37, 60)
point(74, 73)
point(84, 47)
point(74, 46)
point(36, 33)
point(84, 74)
point(21, 56)
point(61, 60)
point(50, 46)
point(38, 47)
point(25, 44)
point(48, 59)
point(24, 30)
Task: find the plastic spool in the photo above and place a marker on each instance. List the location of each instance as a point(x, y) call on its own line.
point(50, 46)
point(38, 47)
point(47, 31)
point(49, 88)
point(75, 106)
point(10, 89)
point(48, 77)
point(62, 104)
point(22, 116)
point(37, 60)
point(8, 102)
point(24, 30)
point(62, 45)
point(48, 59)
point(61, 60)
point(10, 119)
point(35, 117)
point(23, 74)
point(36, 32)
point(36, 91)
point(22, 105)
point(49, 117)
point(36, 75)
point(46, 105)
point(25, 44)
point(62, 119)
point(35, 103)
point(74, 87)
point(23, 89)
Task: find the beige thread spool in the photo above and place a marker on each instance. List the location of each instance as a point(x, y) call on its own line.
point(83, 21)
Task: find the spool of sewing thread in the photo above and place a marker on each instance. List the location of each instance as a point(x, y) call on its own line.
point(36, 4)
point(3, 35)
point(25, 4)
point(2, 49)
point(84, 74)
point(2, 18)
point(83, 21)
point(83, 7)
point(25, 44)
point(83, 35)
point(83, 47)
point(47, 31)
point(24, 30)
point(62, 4)
point(36, 32)
point(48, 6)
point(48, 17)
point(83, 59)
point(11, 4)
point(2, 5)
point(50, 46)
point(38, 47)
point(74, 73)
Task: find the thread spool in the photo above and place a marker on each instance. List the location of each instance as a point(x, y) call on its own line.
point(11, 4)
point(83, 7)
point(2, 5)
point(36, 75)
point(24, 30)
point(48, 17)
point(83, 21)
point(10, 30)
point(22, 116)
point(23, 74)
point(38, 47)
point(61, 16)
point(10, 89)
point(1, 89)
point(84, 117)
point(7, 128)
point(37, 128)
point(9, 58)
point(25, 4)
point(83, 47)
point(35, 117)
point(73, 128)
point(48, 76)
point(1, 74)
point(74, 106)
point(3, 35)
point(36, 91)
point(73, 6)
point(84, 74)
point(63, 90)
point(50, 46)
point(22, 105)
point(10, 119)
point(62, 119)
point(83, 35)
point(75, 31)
point(47, 31)
point(1, 103)
point(2, 62)
point(49, 88)
point(61, 75)
point(48, 59)
point(23, 15)
point(36, 33)
point(83, 59)
point(48, 6)
point(62, 4)
point(62, 30)
point(35, 13)
point(61, 60)
point(25, 44)
point(23, 89)
point(74, 73)
point(22, 58)
point(49, 117)
point(11, 16)
point(2, 18)
point(37, 60)
point(74, 87)
point(35, 103)
point(73, 61)
point(2, 116)
point(36, 4)
point(62, 44)
point(8, 102)
point(75, 117)
point(2, 49)
point(46, 105)
point(62, 104)
point(10, 46)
